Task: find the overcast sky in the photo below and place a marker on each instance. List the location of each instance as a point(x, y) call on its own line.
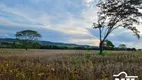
point(68, 21)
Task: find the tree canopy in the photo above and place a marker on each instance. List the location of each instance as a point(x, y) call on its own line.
point(28, 35)
point(122, 46)
point(114, 14)
point(108, 44)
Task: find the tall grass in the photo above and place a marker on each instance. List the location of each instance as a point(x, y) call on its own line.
point(70, 67)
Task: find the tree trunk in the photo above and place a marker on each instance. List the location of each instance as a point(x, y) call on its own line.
point(101, 47)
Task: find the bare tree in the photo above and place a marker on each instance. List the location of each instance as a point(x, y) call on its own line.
point(113, 14)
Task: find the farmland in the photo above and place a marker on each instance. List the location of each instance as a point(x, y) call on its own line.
point(19, 64)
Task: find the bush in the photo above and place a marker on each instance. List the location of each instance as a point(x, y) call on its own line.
point(105, 53)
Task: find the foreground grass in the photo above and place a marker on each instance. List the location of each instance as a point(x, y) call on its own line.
point(79, 66)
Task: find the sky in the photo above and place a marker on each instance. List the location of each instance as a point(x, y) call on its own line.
point(67, 21)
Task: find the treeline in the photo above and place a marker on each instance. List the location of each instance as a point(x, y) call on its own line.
point(85, 48)
point(19, 45)
point(120, 49)
point(37, 45)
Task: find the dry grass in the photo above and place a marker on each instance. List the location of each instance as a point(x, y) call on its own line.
point(67, 64)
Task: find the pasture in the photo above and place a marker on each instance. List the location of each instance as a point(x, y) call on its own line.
point(19, 64)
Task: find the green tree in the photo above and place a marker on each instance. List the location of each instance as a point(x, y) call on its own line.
point(122, 46)
point(114, 14)
point(13, 45)
point(36, 45)
point(108, 43)
point(27, 37)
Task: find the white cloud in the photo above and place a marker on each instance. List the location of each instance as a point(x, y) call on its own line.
point(88, 1)
point(139, 27)
point(92, 42)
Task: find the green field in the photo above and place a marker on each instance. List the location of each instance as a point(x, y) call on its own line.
point(18, 64)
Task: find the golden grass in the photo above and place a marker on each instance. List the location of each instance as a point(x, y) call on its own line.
point(18, 64)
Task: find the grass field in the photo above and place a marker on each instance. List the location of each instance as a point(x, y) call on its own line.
point(18, 64)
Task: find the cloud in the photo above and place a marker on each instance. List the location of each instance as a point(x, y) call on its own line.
point(88, 1)
point(92, 42)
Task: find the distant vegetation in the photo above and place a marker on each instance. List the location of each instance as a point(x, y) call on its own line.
point(15, 44)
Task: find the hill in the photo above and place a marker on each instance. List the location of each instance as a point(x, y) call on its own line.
point(45, 43)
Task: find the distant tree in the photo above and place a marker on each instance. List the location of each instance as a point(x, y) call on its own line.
point(36, 45)
point(113, 14)
point(123, 46)
point(13, 45)
point(27, 37)
point(108, 43)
